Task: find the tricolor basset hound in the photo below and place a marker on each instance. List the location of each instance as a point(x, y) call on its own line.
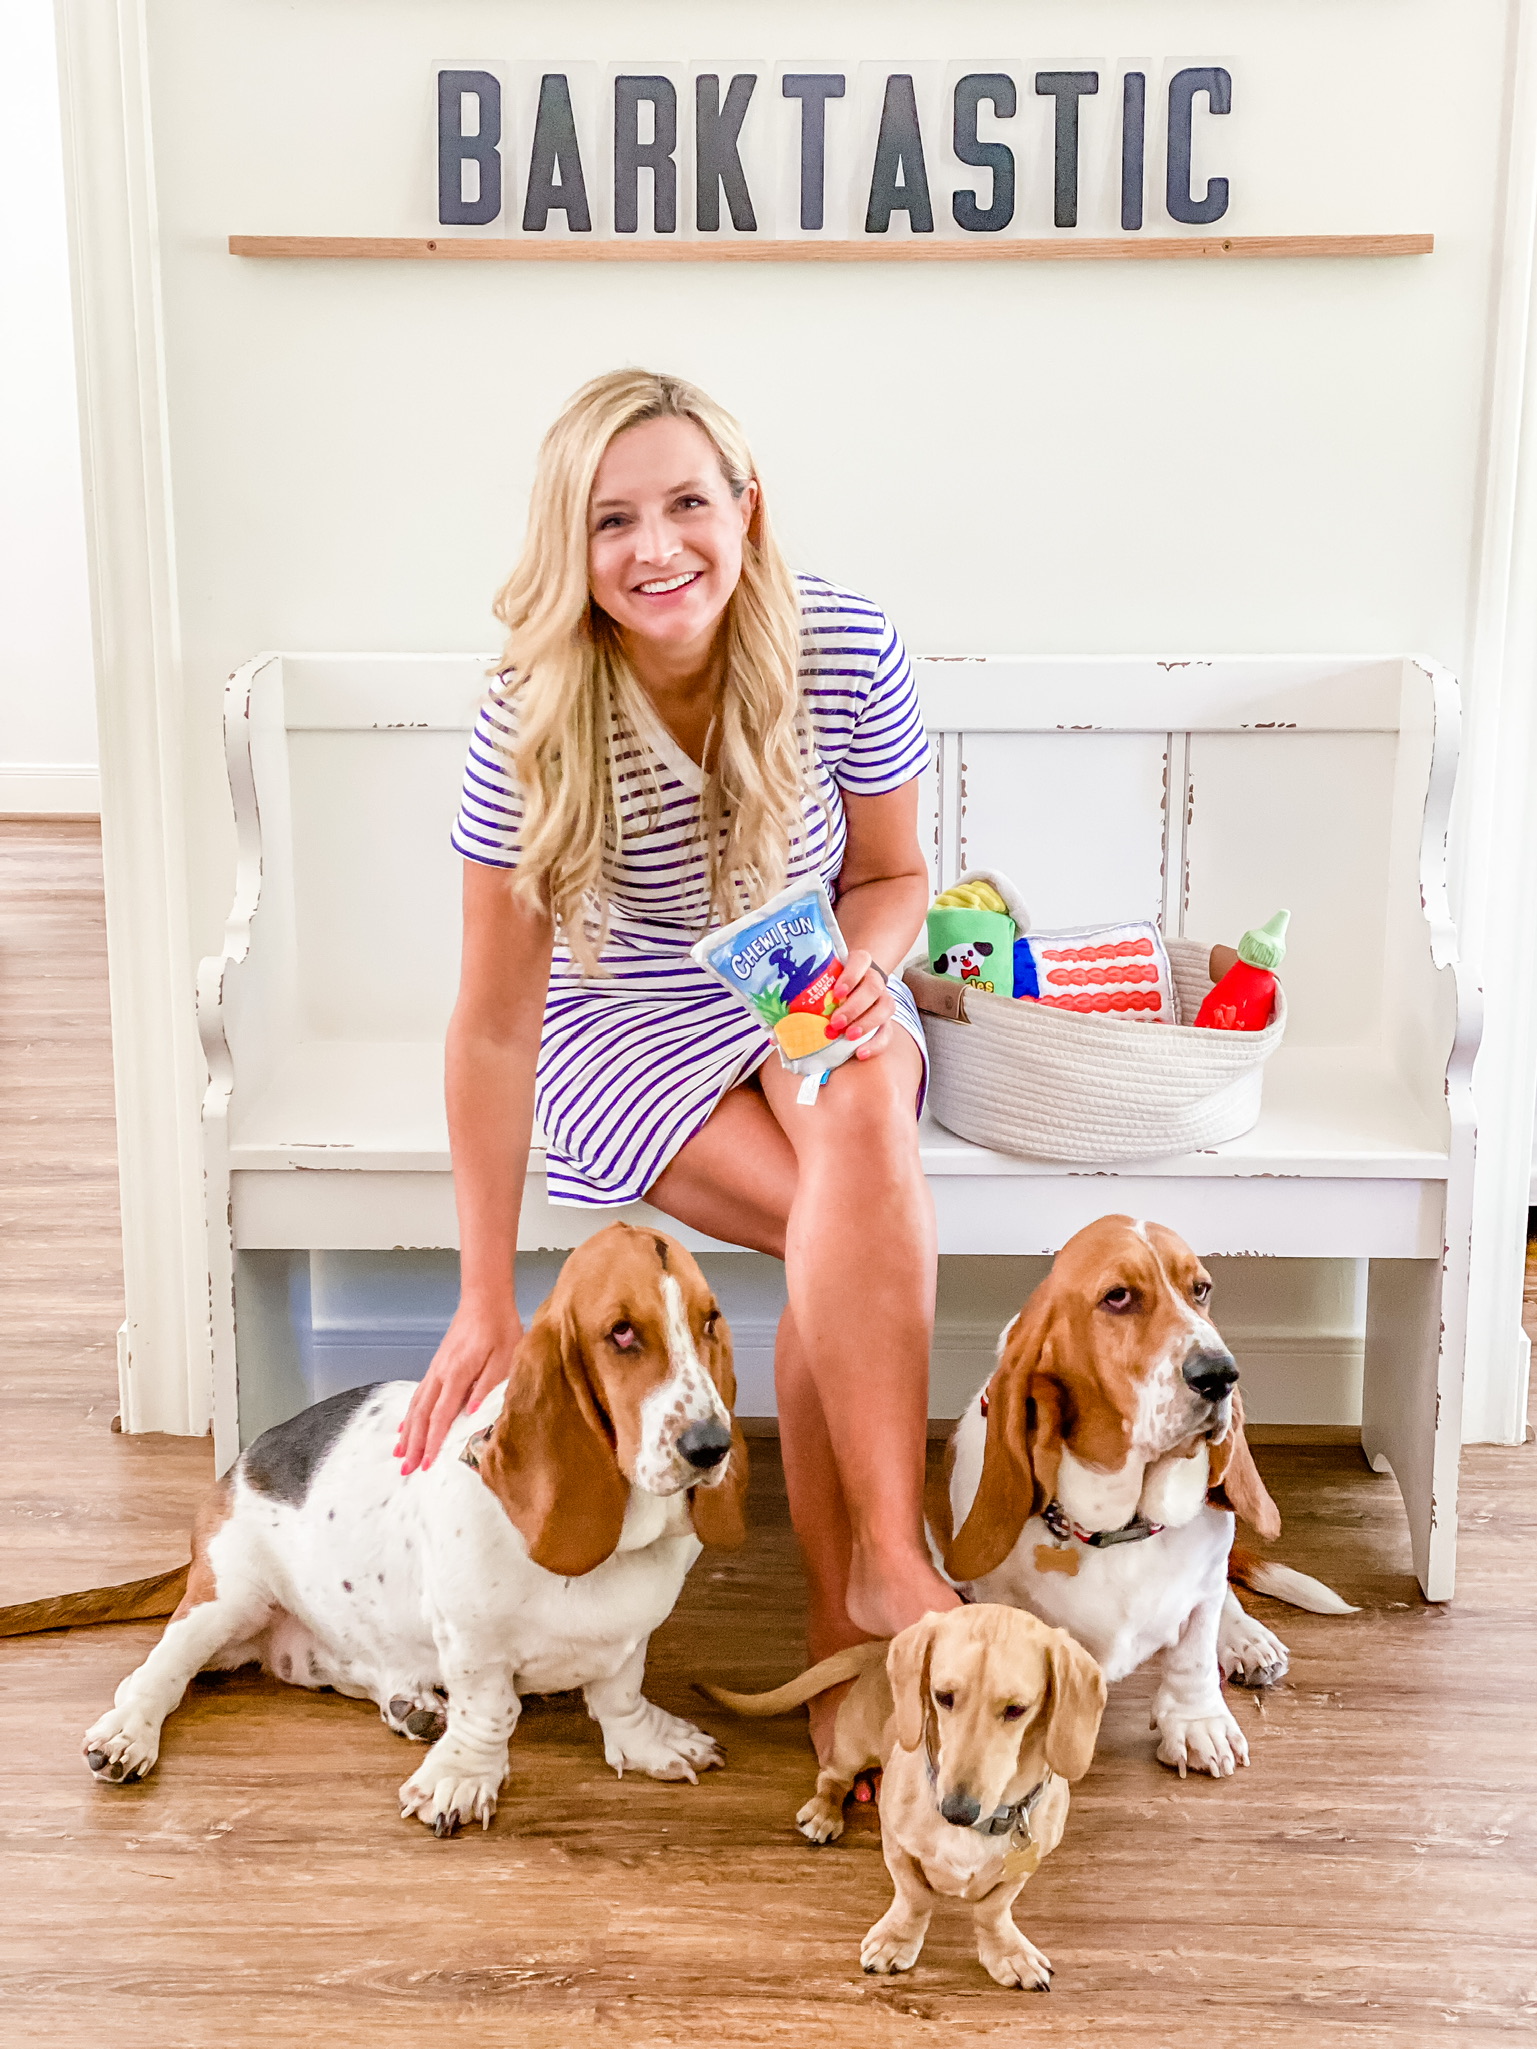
point(1095, 1479)
point(981, 1718)
point(539, 1553)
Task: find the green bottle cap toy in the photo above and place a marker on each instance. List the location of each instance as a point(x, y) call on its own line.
point(1265, 947)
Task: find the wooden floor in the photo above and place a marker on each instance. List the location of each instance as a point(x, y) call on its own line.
point(1372, 1879)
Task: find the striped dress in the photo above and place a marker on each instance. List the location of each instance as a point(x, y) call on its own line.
point(632, 1062)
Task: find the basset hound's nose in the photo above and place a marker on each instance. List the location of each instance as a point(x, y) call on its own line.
point(961, 1809)
point(705, 1444)
point(1210, 1373)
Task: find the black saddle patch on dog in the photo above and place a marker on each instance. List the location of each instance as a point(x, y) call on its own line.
point(284, 1460)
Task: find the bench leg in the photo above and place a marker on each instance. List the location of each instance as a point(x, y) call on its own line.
point(1411, 1406)
point(272, 1338)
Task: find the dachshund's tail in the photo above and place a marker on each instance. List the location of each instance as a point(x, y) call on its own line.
point(136, 1600)
point(845, 1664)
point(1284, 1583)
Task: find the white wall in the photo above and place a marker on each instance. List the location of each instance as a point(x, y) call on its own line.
point(1149, 457)
point(47, 707)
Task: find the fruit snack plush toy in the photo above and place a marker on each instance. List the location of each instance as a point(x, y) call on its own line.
point(781, 963)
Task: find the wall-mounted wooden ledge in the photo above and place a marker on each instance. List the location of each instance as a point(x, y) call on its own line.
point(1062, 249)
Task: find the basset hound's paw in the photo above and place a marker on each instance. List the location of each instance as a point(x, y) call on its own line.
point(450, 1788)
point(1203, 1743)
point(893, 1944)
point(1249, 1653)
point(122, 1747)
point(821, 1819)
point(662, 1745)
point(422, 1714)
point(1017, 1963)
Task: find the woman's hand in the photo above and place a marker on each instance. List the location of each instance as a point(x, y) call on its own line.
point(476, 1355)
point(864, 1003)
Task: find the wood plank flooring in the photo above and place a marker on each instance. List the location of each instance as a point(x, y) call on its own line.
point(1370, 1880)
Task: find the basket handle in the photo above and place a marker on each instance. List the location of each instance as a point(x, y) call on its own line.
point(937, 994)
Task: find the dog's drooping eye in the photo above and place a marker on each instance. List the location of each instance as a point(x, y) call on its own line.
point(1202, 1291)
point(624, 1336)
point(1014, 1712)
point(712, 1323)
point(945, 1701)
point(1118, 1300)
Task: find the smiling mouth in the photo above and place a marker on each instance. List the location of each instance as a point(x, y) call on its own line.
point(662, 586)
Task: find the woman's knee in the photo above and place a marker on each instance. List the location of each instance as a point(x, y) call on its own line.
point(872, 1105)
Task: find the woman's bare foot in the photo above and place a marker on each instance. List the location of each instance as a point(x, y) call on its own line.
point(886, 1594)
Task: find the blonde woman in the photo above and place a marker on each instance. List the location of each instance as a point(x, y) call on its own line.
point(681, 727)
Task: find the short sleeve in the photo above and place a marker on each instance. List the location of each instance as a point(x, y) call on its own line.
point(858, 688)
point(490, 821)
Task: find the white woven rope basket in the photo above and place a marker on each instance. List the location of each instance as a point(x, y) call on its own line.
point(1061, 1085)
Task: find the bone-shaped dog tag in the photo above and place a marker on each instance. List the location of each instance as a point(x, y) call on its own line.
point(1022, 1860)
point(1056, 1558)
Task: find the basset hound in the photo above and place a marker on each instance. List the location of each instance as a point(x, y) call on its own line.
point(981, 1718)
point(1095, 1480)
point(539, 1553)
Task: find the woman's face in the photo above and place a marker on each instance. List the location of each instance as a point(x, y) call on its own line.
point(664, 534)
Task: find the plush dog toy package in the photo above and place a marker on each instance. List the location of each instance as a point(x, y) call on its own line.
point(781, 963)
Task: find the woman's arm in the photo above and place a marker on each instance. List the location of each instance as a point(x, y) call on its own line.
point(883, 892)
point(490, 1053)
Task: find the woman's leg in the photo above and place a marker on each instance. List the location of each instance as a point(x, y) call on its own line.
point(838, 1193)
point(736, 1179)
point(860, 1264)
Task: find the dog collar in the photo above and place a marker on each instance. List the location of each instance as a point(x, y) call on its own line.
point(1015, 1818)
point(1003, 1821)
point(1064, 1529)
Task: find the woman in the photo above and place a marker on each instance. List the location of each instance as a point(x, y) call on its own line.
point(681, 727)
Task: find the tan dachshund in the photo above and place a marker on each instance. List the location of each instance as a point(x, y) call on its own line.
point(981, 1718)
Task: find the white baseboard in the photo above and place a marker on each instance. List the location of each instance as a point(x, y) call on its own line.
point(49, 788)
point(1289, 1377)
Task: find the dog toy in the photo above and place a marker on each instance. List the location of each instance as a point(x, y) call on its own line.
point(781, 963)
point(1109, 970)
point(971, 932)
point(1244, 999)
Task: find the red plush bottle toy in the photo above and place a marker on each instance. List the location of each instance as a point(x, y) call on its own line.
point(1244, 999)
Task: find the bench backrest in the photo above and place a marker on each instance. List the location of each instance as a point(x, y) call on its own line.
point(1204, 794)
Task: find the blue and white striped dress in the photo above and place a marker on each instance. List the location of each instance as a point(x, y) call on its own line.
point(632, 1062)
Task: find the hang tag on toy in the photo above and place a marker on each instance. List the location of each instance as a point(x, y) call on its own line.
point(781, 963)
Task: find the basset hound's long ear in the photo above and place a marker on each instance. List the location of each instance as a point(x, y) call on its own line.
point(1022, 1452)
point(1077, 1703)
point(550, 1461)
point(1235, 1480)
point(719, 1512)
point(907, 1668)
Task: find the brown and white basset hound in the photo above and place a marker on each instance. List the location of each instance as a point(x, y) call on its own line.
point(1095, 1480)
point(981, 1718)
point(537, 1554)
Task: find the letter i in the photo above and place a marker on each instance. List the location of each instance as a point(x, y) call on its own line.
point(1133, 147)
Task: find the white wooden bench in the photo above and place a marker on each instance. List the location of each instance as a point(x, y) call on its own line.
point(1207, 794)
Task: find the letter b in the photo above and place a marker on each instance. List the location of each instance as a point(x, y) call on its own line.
point(455, 148)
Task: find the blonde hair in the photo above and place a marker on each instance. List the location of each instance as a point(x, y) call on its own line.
point(574, 692)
